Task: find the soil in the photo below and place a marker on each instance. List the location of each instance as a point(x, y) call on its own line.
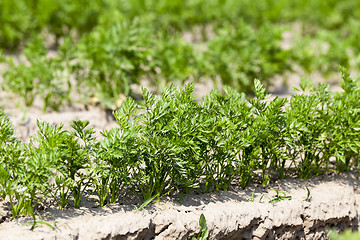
point(234, 214)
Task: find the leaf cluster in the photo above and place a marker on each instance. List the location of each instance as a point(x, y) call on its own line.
point(107, 61)
point(239, 53)
point(40, 75)
point(171, 143)
point(24, 18)
point(107, 46)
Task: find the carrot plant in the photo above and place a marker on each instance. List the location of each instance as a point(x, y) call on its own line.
point(173, 143)
point(79, 157)
point(25, 174)
point(66, 157)
point(170, 138)
point(279, 197)
point(11, 156)
point(308, 123)
point(204, 233)
point(116, 159)
point(227, 116)
point(24, 18)
point(238, 54)
point(269, 128)
point(108, 47)
point(175, 60)
point(38, 75)
point(347, 234)
point(345, 141)
point(113, 58)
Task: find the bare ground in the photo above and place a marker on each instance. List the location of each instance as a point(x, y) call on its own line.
point(235, 214)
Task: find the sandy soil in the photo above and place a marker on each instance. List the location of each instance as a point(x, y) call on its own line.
point(234, 214)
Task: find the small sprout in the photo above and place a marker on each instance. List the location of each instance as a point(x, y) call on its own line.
point(35, 223)
point(204, 233)
point(147, 202)
point(262, 196)
point(252, 198)
point(279, 197)
point(308, 196)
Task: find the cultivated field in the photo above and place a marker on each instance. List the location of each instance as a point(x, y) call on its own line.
point(131, 119)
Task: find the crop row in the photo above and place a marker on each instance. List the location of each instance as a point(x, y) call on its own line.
point(104, 46)
point(173, 143)
point(107, 61)
point(24, 18)
point(103, 65)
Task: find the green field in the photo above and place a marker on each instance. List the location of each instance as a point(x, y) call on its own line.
point(102, 47)
point(166, 141)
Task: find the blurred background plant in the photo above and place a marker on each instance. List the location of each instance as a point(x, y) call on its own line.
point(107, 46)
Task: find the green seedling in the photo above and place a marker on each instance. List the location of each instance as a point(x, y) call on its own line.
point(204, 233)
point(35, 223)
point(262, 196)
point(308, 196)
point(147, 202)
point(279, 197)
point(252, 198)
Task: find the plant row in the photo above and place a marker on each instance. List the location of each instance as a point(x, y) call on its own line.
point(24, 18)
point(172, 143)
point(105, 46)
point(104, 64)
point(101, 66)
